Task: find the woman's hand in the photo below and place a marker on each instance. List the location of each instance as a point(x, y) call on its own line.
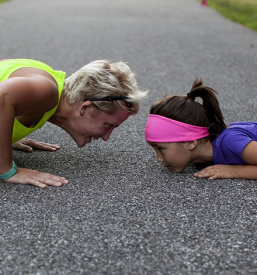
point(27, 145)
point(34, 177)
point(218, 172)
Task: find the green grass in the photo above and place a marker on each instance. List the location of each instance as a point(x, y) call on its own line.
point(1, 1)
point(241, 11)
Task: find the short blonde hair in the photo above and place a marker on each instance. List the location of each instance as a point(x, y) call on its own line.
point(101, 79)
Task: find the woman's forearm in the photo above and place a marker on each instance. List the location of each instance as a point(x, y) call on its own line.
point(7, 115)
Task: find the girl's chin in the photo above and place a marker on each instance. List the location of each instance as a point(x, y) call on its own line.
point(174, 170)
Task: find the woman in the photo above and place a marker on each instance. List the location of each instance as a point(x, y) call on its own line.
point(87, 105)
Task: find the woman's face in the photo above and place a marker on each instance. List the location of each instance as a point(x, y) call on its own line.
point(94, 124)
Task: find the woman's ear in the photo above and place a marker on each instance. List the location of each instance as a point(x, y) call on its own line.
point(191, 145)
point(84, 106)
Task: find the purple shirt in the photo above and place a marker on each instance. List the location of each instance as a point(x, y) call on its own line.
point(228, 146)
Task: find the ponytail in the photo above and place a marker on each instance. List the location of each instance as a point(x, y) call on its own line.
point(186, 109)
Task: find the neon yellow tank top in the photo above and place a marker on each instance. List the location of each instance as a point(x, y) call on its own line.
point(7, 67)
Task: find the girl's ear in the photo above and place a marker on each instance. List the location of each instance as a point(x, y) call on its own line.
point(191, 145)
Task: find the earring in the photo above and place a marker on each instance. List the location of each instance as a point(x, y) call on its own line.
point(82, 113)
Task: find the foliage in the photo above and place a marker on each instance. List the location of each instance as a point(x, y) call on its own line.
point(240, 11)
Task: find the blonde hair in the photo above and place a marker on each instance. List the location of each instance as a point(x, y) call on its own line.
point(100, 79)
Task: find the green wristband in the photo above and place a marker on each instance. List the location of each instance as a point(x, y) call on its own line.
point(10, 173)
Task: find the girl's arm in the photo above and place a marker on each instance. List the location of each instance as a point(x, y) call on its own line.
point(24, 96)
point(248, 171)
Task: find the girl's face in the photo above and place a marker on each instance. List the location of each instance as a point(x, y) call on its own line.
point(173, 155)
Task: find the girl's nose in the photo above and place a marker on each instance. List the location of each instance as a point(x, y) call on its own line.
point(159, 158)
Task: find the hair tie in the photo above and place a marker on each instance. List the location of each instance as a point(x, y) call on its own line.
point(191, 96)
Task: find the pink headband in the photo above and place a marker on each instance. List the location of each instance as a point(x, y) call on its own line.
point(163, 129)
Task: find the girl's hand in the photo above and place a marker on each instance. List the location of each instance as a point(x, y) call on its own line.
point(27, 145)
point(218, 172)
point(34, 177)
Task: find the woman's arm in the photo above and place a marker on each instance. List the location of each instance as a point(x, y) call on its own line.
point(248, 171)
point(24, 96)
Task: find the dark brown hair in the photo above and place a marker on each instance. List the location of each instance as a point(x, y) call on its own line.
point(185, 109)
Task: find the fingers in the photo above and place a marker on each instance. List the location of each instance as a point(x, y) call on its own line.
point(25, 148)
point(39, 184)
point(36, 178)
point(214, 177)
point(41, 145)
point(208, 172)
point(45, 146)
point(46, 183)
point(215, 172)
point(20, 146)
point(42, 183)
point(202, 174)
point(27, 145)
point(52, 180)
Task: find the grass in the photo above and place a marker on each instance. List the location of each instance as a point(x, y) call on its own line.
point(241, 11)
point(1, 1)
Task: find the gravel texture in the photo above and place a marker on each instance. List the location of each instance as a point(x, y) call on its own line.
point(122, 212)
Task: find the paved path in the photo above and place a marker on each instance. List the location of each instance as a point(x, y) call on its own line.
point(122, 213)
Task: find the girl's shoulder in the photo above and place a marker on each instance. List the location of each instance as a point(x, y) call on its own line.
point(239, 129)
point(243, 124)
point(246, 127)
point(228, 146)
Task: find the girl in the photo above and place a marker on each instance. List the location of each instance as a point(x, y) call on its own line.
point(183, 131)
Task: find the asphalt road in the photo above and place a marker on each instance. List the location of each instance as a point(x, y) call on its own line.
point(123, 213)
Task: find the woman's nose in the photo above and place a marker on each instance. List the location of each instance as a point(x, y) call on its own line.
point(106, 136)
